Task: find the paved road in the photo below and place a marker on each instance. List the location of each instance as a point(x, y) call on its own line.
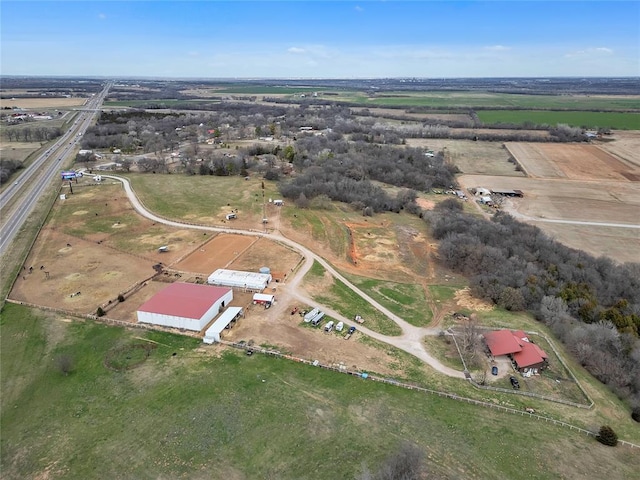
point(411, 338)
point(19, 199)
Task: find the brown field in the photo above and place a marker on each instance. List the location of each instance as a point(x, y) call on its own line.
point(481, 158)
point(605, 201)
point(17, 150)
point(384, 112)
point(238, 252)
point(624, 145)
point(571, 161)
point(42, 102)
point(219, 252)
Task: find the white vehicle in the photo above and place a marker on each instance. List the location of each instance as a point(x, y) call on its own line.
point(329, 326)
point(339, 326)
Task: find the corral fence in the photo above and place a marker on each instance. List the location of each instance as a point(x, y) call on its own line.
point(451, 333)
point(408, 386)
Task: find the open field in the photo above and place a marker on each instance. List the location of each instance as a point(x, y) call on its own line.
point(571, 161)
point(624, 145)
point(481, 158)
point(479, 99)
point(41, 102)
point(618, 120)
point(585, 201)
point(212, 423)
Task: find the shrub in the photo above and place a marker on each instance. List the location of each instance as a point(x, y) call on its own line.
point(121, 298)
point(607, 436)
point(635, 413)
point(64, 363)
point(100, 312)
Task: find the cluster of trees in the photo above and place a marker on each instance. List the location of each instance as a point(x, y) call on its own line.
point(32, 134)
point(344, 171)
point(591, 304)
point(7, 168)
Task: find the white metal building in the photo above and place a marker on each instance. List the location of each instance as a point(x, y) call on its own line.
point(263, 298)
point(185, 305)
point(213, 332)
point(238, 279)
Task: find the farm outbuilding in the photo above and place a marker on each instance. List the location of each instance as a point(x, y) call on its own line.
point(230, 315)
point(263, 299)
point(185, 305)
point(239, 279)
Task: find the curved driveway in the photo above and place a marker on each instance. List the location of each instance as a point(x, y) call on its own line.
point(411, 339)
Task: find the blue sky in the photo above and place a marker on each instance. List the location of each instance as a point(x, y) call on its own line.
point(318, 39)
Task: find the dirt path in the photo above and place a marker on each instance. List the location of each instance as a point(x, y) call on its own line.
point(411, 339)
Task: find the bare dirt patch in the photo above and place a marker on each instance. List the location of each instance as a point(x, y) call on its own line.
point(60, 272)
point(465, 300)
point(219, 252)
point(285, 333)
point(624, 145)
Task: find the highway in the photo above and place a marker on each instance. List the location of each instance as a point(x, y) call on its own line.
point(18, 200)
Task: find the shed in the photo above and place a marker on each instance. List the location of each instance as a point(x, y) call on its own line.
point(278, 203)
point(212, 334)
point(481, 191)
point(263, 299)
point(184, 305)
point(239, 279)
point(486, 200)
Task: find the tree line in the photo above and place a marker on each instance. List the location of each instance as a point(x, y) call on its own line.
point(591, 304)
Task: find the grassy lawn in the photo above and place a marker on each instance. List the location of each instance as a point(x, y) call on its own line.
point(345, 301)
point(406, 300)
point(232, 416)
point(618, 120)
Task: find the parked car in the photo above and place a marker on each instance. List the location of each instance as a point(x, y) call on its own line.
point(351, 330)
point(514, 382)
point(494, 370)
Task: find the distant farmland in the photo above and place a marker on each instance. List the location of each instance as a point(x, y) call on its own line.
point(618, 120)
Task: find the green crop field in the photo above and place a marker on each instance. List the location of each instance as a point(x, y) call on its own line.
point(618, 120)
point(470, 99)
point(184, 414)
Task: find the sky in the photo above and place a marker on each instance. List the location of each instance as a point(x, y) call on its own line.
point(320, 39)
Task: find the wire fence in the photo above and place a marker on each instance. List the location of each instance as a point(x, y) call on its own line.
point(409, 386)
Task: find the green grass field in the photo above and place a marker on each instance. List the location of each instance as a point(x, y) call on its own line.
point(617, 120)
point(192, 415)
point(406, 300)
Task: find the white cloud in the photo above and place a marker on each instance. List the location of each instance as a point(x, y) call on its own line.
point(296, 50)
point(102, 16)
point(358, 8)
point(497, 48)
point(587, 52)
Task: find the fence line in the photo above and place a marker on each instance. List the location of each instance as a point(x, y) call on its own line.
point(409, 386)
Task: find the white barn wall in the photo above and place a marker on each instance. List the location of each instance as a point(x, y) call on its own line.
point(194, 324)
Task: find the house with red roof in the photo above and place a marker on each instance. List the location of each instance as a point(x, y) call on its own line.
point(186, 306)
point(527, 356)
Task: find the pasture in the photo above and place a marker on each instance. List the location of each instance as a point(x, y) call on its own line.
point(97, 423)
point(616, 120)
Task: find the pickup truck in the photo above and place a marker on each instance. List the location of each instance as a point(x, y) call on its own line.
point(349, 333)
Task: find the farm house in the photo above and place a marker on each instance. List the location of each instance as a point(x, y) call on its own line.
point(185, 305)
point(225, 320)
point(527, 356)
point(263, 299)
point(239, 279)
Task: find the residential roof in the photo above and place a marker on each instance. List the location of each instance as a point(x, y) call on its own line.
point(531, 354)
point(502, 342)
point(187, 300)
